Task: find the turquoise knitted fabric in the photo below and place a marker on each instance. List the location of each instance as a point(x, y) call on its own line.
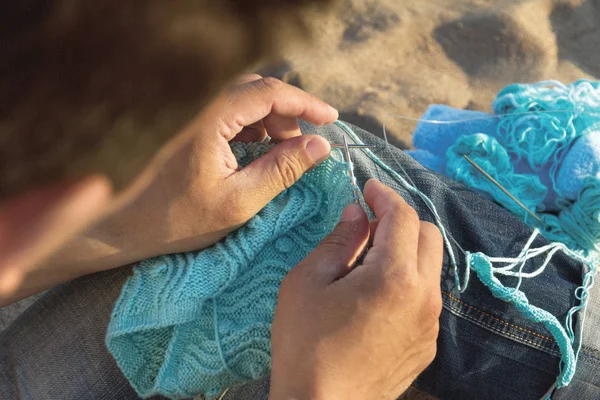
point(200, 322)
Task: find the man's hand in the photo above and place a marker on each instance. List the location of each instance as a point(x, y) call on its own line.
point(363, 333)
point(200, 195)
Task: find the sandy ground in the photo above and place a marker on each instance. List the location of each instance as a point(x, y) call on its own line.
point(372, 58)
point(379, 57)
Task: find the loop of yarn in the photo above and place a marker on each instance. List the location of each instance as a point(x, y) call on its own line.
point(413, 190)
point(541, 121)
point(483, 267)
point(200, 322)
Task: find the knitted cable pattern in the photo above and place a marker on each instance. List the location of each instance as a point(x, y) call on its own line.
point(200, 322)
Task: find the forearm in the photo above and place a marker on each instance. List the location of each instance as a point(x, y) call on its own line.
point(83, 255)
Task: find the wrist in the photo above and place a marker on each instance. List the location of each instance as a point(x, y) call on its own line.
point(295, 390)
point(103, 247)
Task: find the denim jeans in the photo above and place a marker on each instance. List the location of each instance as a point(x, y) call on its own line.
point(486, 350)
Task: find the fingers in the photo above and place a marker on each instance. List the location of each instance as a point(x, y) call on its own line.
point(252, 133)
point(260, 98)
point(430, 252)
point(282, 128)
point(391, 262)
point(338, 252)
point(280, 168)
point(247, 78)
point(372, 228)
point(397, 233)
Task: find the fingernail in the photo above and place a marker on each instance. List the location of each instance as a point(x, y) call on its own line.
point(351, 213)
point(334, 112)
point(318, 149)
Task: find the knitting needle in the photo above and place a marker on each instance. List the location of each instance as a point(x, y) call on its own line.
point(353, 146)
point(336, 145)
point(506, 192)
point(349, 161)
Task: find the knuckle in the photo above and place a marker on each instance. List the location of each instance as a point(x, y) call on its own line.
point(432, 307)
point(431, 233)
point(409, 282)
point(340, 236)
point(403, 214)
point(402, 276)
point(408, 213)
point(238, 212)
point(429, 355)
point(288, 169)
point(272, 84)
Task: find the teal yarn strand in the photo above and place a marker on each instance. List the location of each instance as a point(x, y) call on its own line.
point(200, 322)
point(538, 124)
point(483, 267)
point(412, 189)
point(578, 225)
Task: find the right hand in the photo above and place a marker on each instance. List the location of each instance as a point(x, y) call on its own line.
point(363, 333)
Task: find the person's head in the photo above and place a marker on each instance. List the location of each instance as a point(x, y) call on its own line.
point(89, 91)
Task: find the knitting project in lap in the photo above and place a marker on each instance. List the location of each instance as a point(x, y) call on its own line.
point(200, 322)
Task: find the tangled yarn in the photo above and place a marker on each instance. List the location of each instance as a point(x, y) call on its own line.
point(542, 144)
point(578, 224)
point(541, 121)
point(200, 322)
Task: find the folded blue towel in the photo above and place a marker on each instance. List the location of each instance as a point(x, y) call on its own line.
point(434, 134)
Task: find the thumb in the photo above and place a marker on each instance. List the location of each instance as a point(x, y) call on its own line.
point(336, 254)
point(263, 179)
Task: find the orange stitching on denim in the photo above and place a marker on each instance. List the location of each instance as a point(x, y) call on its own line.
point(510, 334)
point(498, 319)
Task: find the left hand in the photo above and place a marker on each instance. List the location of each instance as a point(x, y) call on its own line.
point(200, 195)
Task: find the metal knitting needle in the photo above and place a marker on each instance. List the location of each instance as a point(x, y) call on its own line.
point(349, 161)
point(506, 192)
point(353, 146)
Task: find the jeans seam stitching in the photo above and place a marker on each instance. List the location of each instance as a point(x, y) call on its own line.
point(499, 319)
point(507, 335)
